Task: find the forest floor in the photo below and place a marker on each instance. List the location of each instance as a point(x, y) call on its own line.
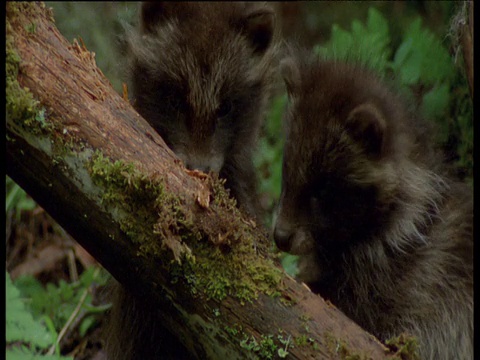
point(36, 245)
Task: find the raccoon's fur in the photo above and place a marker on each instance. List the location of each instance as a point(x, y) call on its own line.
point(201, 74)
point(380, 230)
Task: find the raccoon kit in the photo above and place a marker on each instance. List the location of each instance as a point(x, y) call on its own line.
point(201, 74)
point(379, 229)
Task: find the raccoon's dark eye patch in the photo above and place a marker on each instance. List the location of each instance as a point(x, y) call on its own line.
point(170, 98)
point(321, 200)
point(320, 187)
point(224, 109)
point(322, 194)
point(175, 103)
point(166, 87)
point(314, 204)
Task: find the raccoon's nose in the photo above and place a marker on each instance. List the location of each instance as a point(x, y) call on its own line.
point(203, 168)
point(282, 238)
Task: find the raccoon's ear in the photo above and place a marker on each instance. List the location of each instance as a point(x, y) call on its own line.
point(366, 124)
point(150, 14)
point(259, 26)
point(290, 74)
point(155, 12)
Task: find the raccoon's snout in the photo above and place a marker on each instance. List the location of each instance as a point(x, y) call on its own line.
point(294, 239)
point(283, 238)
point(192, 166)
point(208, 163)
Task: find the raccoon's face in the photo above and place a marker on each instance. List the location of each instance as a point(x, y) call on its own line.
point(199, 77)
point(323, 211)
point(200, 133)
point(333, 166)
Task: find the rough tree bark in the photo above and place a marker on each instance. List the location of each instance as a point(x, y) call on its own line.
point(97, 167)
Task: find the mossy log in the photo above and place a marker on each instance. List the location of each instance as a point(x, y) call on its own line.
point(84, 154)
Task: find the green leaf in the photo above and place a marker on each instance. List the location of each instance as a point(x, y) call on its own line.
point(87, 277)
point(86, 324)
point(421, 57)
point(376, 23)
point(39, 299)
point(59, 301)
point(435, 102)
point(411, 70)
point(96, 309)
point(289, 263)
point(403, 51)
point(20, 325)
point(23, 353)
point(282, 353)
point(17, 198)
point(368, 45)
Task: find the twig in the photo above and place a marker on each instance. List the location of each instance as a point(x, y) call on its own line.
point(72, 317)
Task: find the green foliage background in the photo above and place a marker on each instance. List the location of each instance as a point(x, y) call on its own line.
point(22, 328)
point(36, 314)
point(416, 55)
point(403, 47)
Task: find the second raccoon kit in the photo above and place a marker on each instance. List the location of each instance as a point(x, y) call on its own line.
point(380, 230)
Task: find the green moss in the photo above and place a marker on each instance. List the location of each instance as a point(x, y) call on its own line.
point(268, 347)
point(233, 330)
point(233, 268)
point(339, 348)
point(305, 340)
point(142, 201)
point(265, 348)
point(305, 318)
point(215, 269)
point(31, 28)
point(301, 340)
point(404, 347)
point(285, 344)
point(21, 106)
point(288, 302)
point(236, 271)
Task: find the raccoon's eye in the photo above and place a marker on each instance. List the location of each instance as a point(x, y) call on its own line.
point(320, 200)
point(317, 208)
point(169, 97)
point(224, 109)
point(175, 103)
point(314, 204)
